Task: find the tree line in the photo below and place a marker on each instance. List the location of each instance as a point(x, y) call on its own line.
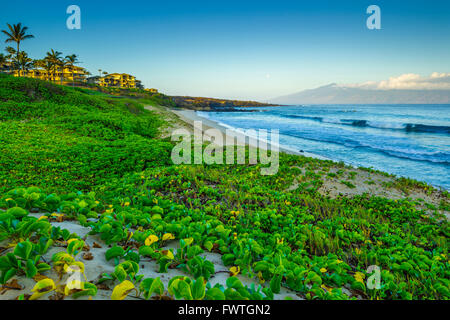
point(18, 61)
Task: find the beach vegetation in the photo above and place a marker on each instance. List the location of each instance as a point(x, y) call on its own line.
point(69, 155)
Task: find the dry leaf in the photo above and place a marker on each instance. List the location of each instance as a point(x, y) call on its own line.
point(96, 245)
point(12, 285)
point(57, 296)
point(103, 286)
point(88, 256)
point(39, 277)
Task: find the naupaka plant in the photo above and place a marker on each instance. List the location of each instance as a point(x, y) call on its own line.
point(24, 260)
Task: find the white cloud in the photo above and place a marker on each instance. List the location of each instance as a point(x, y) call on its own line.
point(411, 81)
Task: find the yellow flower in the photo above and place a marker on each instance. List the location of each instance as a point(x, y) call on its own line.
point(235, 270)
point(168, 254)
point(121, 291)
point(151, 239)
point(168, 236)
point(323, 270)
point(280, 241)
point(126, 204)
point(261, 279)
point(359, 276)
point(328, 289)
point(288, 203)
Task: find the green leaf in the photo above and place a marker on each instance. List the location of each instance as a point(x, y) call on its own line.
point(120, 273)
point(114, 252)
point(185, 290)
point(228, 259)
point(275, 283)
point(215, 294)
point(146, 251)
point(75, 247)
point(208, 245)
point(164, 264)
point(234, 283)
point(41, 267)
point(8, 275)
point(88, 290)
point(198, 289)
point(23, 249)
point(150, 286)
point(31, 269)
point(17, 212)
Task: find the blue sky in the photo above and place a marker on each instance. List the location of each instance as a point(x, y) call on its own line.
point(242, 49)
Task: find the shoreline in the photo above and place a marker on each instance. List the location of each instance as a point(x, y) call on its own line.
point(189, 116)
point(333, 187)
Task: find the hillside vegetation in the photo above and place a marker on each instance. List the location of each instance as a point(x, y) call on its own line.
point(91, 159)
point(72, 139)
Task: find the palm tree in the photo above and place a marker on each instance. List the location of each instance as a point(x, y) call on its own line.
point(54, 59)
point(46, 65)
point(3, 61)
point(10, 57)
point(17, 34)
point(23, 62)
point(63, 64)
point(72, 60)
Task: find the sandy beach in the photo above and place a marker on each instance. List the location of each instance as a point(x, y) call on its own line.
point(189, 116)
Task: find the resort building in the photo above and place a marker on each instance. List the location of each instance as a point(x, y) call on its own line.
point(79, 75)
point(68, 75)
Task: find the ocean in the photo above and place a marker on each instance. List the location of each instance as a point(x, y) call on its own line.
point(406, 140)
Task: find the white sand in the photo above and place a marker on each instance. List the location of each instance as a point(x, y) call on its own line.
point(98, 265)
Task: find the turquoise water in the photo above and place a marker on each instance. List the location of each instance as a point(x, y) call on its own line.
point(406, 140)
